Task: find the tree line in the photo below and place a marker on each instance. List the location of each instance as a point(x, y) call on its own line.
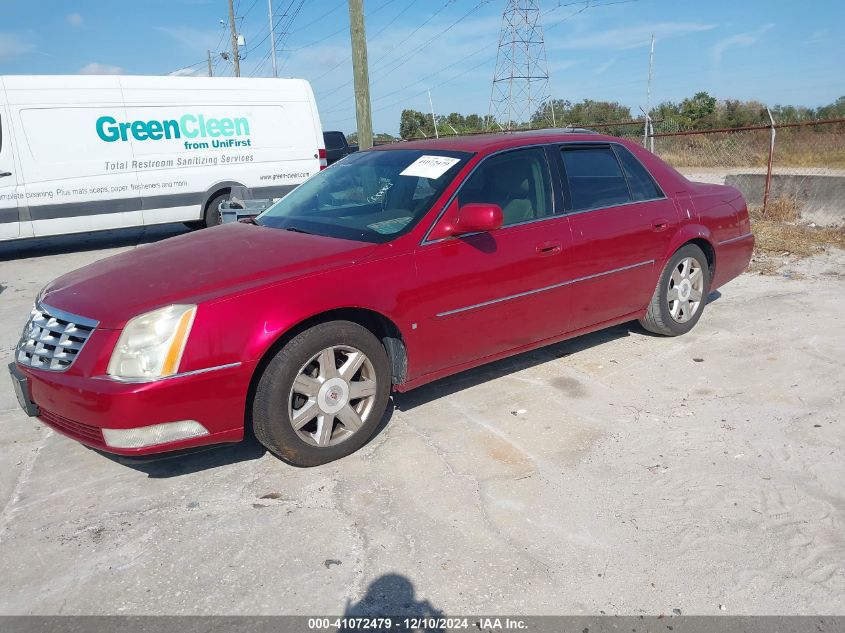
point(700, 111)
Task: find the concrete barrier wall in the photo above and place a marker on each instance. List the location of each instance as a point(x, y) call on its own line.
point(821, 198)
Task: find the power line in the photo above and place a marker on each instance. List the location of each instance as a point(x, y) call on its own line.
point(369, 39)
point(404, 59)
point(587, 4)
point(341, 30)
point(284, 31)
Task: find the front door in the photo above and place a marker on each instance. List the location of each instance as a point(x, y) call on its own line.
point(621, 225)
point(486, 293)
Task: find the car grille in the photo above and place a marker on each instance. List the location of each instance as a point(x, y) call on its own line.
point(52, 339)
point(77, 430)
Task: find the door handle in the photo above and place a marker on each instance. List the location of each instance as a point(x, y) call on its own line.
point(661, 224)
point(544, 249)
point(4, 174)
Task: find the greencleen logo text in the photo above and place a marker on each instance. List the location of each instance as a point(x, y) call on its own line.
point(189, 126)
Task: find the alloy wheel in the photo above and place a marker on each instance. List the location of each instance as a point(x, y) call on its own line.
point(686, 289)
point(332, 395)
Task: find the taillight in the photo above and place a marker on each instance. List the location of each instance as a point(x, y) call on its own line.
point(323, 162)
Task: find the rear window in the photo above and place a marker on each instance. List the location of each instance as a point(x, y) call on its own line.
point(595, 178)
point(334, 140)
point(640, 181)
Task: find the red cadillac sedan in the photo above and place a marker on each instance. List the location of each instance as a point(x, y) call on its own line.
point(393, 268)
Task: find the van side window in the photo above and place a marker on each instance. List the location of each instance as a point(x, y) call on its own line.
point(517, 181)
point(595, 178)
point(640, 181)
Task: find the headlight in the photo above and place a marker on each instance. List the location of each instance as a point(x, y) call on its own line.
point(151, 344)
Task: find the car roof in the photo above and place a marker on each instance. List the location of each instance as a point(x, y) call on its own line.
point(500, 140)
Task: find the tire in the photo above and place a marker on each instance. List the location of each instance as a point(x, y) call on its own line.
point(212, 209)
point(298, 387)
point(673, 309)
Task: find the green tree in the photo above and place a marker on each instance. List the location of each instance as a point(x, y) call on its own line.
point(412, 121)
point(736, 113)
point(835, 110)
point(699, 111)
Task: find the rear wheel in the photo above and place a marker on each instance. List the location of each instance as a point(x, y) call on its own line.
point(323, 394)
point(681, 293)
point(212, 209)
point(211, 215)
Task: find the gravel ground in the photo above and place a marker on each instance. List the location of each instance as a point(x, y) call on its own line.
point(616, 473)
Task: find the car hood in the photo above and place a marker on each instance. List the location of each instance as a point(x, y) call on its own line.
point(194, 268)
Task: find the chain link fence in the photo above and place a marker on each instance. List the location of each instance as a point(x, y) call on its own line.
point(795, 171)
point(786, 171)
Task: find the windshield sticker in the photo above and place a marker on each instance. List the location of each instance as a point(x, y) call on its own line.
point(387, 227)
point(429, 166)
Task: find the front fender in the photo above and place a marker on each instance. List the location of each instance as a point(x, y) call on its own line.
point(243, 327)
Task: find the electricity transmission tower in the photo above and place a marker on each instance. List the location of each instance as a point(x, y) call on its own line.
point(521, 79)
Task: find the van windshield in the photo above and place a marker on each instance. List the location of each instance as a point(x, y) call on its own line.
point(372, 196)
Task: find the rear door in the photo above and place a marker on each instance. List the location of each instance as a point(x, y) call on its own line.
point(486, 293)
point(621, 225)
point(10, 193)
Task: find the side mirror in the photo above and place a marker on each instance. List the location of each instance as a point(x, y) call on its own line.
point(478, 217)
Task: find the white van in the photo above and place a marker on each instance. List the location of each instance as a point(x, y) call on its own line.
point(81, 153)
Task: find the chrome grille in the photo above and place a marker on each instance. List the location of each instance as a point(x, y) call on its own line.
point(52, 339)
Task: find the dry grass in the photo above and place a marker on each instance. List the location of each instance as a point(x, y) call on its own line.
point(794, 147)
point(778, 231)
point(780, 209)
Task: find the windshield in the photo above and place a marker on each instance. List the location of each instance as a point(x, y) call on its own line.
point(368, 196)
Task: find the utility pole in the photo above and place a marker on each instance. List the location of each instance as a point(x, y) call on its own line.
point(433, 116)
point(210, 68)
point(648, 129)
point(236, 56)
point(360, 73)
point(272, 38)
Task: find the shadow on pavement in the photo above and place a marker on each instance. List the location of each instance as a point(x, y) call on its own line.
point(89, 241)
point(498, 369)
point(392, 595)
point(180, 463)
point(191, 461)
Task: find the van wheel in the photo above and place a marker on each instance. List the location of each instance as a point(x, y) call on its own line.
point(212, 209)
point(681, 293)
point(323, 395)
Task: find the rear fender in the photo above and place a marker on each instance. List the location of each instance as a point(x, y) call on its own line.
point(687, 233)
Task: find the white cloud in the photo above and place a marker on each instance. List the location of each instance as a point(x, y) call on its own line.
point(95, 68)
point(630, 36)
point(603, 67)
point(816, 37)
point(74, 19)
point(12, 45)
point(190, 72)
point(740, 39)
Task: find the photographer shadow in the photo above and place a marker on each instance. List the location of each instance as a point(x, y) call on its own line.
point(392, 595)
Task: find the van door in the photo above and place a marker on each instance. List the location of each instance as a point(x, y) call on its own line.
point(77, 168)
point(10, 221)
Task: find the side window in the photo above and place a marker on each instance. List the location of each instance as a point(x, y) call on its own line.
point(640, 181)
point(517, 181)
point(595, 177)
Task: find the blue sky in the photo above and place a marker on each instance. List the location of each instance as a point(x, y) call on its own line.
point(774, 51)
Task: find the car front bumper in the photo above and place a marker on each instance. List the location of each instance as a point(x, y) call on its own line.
point(81, 407)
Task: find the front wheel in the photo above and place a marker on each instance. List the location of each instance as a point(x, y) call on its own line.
point(681, 293)
point(323, 395)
